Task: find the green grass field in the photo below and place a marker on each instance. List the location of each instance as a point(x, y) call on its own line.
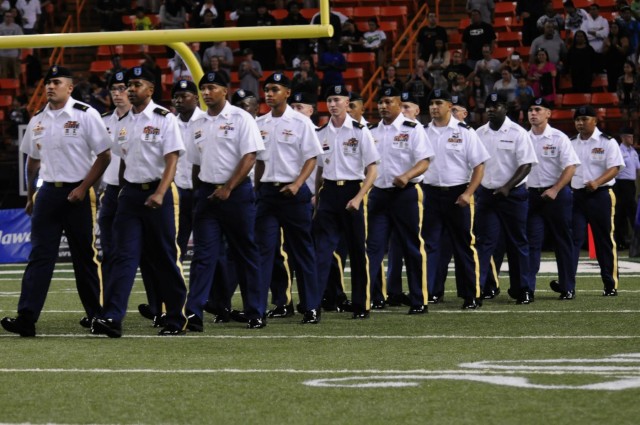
point(550, 362)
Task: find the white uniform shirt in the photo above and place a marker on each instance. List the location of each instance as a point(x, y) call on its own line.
point(401, 145)
point(555, 153)
point(217, 144)
point(601, 26)
point(112, 173)
point(348, 150)
point(509, 147)
point(631, 163)
point(597, 154)
point(458, 151)
point(143, 140)
point(289, 140)
point(29, 11)
point(183, 177)
point(66, 141)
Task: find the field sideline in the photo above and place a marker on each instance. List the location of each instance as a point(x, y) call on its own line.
point(552, 361)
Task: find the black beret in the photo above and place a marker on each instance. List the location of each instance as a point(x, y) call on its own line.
point(541, 101)
point(337, 90)
point(58, 71)
point(388, 91)
point(626, 130)
point(117, 77)
point(408, 97)
point(240, 95)
point(584, 111)
point(140, 73)
point(439, 94)
point(304, 97)
point(354, 95)
point(495, 99)
point(213, 78)
point(184, 85)
point(278, 78)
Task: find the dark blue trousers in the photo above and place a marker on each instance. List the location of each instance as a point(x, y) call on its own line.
point(444, 219)
point(293, 215)
point(556, 216)
point(186, 220)
point(332, 222)
point(235, 219)
point(394, 265)
point(597, 209)
point(400, 210)
point(497, 213)
point(53, 214)
point(106, 215)
point(141, 231)
point(334, 292)
point(282, 274)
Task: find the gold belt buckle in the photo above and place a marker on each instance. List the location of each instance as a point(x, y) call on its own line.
point(58, 184)
point(145, 186)
point(218, 186)
point(340, 182)
point(277, 184)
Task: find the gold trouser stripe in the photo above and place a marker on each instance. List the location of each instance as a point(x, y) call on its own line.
point(340, 269)
point(94, 219)
point(383, 280)
point(613, 240)
point(494, 271)
point(423, 251)
point(286, 267)
point(476, 260)
point(365, 201)
point(176, 218)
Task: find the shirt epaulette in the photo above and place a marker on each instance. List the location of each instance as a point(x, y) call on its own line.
point(106, 114)
point(41, 109)
point(574, 137)
point(607, 136)
point(80, 106)
point(356, 124)
point(464, 125)
point(322, 127)
point(410, 124)
point(161, 111)
point(426, 125)
point(372, 126)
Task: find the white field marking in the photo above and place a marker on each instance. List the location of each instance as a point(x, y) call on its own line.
point(340, 337)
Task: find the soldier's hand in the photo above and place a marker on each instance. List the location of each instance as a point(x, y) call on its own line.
point(591, 186)
point(154, 201)
point(28, 209)
point(501, 191)
point(463, 200)
point(400, 181)
point(549, 194)
point(77, 195)
point(353, 205)
point(290, 190)
point(220, 194)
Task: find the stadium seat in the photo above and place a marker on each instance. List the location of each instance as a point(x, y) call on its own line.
point(362, 60)
point(364, 13)
point(354, 76)
point(604, 99)
point(101, 66)
point(391, 30)
point(9, 86)
point(129, 63)
point(128, 20)
point(346, 11)
point(562, 114)
point(501, 24)
point(341, 4)
point(322, 108)
point(263, 109)
point(279, 14)
point(610, 113)
point(600, 82)
point(322, 120)
point(505, 8)
point(455, 40)
point(5, 100)
point(105, 52)
point(501, 53)
point(309, 12)
point(574, 100)
point(394, 13)
point(509, 39)
point(465, 22)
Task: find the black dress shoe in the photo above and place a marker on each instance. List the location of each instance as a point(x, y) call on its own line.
point(470, 304)
point(569, 295)
point(378, 305)
point(210, 308)
point(222, 316)
point(436, 299)
point(513, 293)
point(360, 315)
point(256, 323)
point(612, 292)
point(524, 298)
point(397, 300)
point(329, 305)
point(299, 308)
point(311, 316)
point(85, 322)
point(281, 312)
point(106, 327)
point(238, 316)
point(345, 305)
point(490, 294)
point(145, 311)
point(418, 309)
point(159, 321)
point(194, 323)
point(555, 286)
point(172, 331)
point(19, 325)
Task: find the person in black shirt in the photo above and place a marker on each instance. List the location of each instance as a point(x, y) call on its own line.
point(426, 41)
point(476, 35)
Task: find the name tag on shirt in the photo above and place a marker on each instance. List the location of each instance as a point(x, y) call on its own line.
point(350, 147)
point(549, 151)
point(454, 143)
point(507, 145)
point(401, 141)
point(598, 154)
point(71, 128)
point(150, 134)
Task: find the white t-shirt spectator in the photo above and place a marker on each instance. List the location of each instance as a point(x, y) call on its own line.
point(374, 39)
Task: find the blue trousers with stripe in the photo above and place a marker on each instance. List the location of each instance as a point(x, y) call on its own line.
point(497, 213)
point(556, 216)
point(400, 210)
point(186, 220)
point(443, 220)
point(332, 221)
point(53, 214)
point(281, 275)
point(597, 209)
point(142, 231)
point(293, 215)
point(235, 219)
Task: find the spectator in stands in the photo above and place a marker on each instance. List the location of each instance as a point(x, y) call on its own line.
point(487, 69)
point(524, 96)
point(391, 79)
point(506, 86)
point(457, 66)
point(614, 53)
point(336, 19)
point(173, 15)
point(305, 78)
point(374, 41)
point(215, 66)
point(332, 63)
point(220, 50)
point(207, 21)
point(426, 40)
point(486, 8)
point(573, 18)
point(110, 13)
point(635, 7)
point(515, 65)
point(581, 63)
point(31, 11)
point(99, 97)
point(476, 35)
point(438, 62)
point(142, 22)
point(250, 72)
point(528, 12)
point(596, 28)
point(265, 51)
point(631, 27)
point(419, 85)
point(245, 15)
point(473, 95)
point(18, 115)
point(34, 70)
point(551, 42)
point(9, 58)
point(211, 11)
point(628, 90)
point(352, 38)
point(291, 47)
point(542, 76)
point(550, 15)
point(208, 6)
